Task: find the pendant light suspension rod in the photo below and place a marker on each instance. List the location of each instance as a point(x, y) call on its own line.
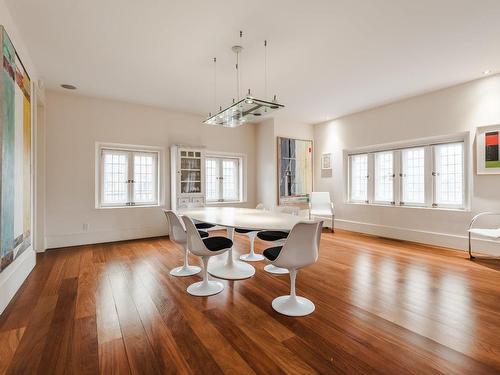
point(215, 84)
point(237, 49)
point(237, 75)
point(265, 69)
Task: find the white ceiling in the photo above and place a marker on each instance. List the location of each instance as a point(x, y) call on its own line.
point(326, 58)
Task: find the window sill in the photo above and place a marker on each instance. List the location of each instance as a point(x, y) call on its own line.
point(121, 207)
point(410, 207)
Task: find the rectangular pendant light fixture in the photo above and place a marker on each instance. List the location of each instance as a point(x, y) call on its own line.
point(247, 110)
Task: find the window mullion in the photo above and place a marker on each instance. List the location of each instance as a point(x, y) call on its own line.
point(221, 179)
point(396, 191)
point(370, 178)
point(430, 180)
point(130, 156)
point(101, 177)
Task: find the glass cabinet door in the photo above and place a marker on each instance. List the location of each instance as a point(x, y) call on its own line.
point(190, 172)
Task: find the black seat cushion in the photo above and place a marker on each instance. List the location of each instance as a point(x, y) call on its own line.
point(203, 234)
point(203, 225)
point(217, 243)
point(272, 235)
point(273, 252)
point(241, 230)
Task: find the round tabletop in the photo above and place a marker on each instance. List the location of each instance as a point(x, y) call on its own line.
point(244, 218)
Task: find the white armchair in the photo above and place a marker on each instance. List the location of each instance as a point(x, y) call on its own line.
point(491, 233)
point(321, 206)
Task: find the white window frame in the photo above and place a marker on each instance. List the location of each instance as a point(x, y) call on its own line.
point(429, 171)
point(131, 150)
point(242, 176)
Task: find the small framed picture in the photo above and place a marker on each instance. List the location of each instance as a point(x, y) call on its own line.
point(326, 161)
point(487, 149)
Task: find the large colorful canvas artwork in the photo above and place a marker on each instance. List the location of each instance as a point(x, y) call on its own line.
point(487, 150)
point(295, 171)
point(15, 155)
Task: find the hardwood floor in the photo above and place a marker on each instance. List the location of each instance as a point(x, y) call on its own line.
point(382, 307)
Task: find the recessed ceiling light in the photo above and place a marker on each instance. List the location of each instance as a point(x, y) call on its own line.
point(68, 87)
point(486, 72)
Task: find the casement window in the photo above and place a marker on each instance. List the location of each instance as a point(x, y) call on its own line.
point(425, 174)
point(223, 176)
point(358, 165)
point(413, 176)
point(384, 177)
point(449, 174)
point(127, 177)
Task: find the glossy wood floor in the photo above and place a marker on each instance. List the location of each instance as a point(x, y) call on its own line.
point(382, 307)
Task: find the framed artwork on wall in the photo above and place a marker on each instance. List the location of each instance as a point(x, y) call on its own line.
point(295, 171)
point(326, 161)
point(487, 149)
point(15, 155)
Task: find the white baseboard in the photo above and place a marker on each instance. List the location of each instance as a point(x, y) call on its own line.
point(453, 241)
point(458, 242)
point(14, 275)
point(76, 239)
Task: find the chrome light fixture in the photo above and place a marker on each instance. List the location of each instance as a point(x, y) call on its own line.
point(243, 110)
point(246, 110)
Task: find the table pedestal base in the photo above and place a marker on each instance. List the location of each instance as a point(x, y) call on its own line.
point(230, 269)
point(252, 257)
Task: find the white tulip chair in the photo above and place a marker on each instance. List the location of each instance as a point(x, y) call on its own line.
point(177, 234)
point(300, 250)
point(205, 248)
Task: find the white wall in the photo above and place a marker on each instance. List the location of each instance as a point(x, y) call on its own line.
point(457, 109)
point(293, 129)
point(266, 163)
point(75, 123)
point(14, 275)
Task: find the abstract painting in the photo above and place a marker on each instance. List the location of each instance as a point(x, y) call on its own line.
point(15, 155)
point(295, 171)
point(487, 149)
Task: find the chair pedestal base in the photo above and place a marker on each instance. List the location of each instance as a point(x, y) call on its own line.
point(252, 257)
point(205, 288)
point(293, 305)
point(185, 271)
point(275, 270)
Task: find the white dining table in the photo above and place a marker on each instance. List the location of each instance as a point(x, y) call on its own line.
point(244, 218)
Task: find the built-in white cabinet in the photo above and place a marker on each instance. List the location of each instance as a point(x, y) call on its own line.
point(187, 177)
